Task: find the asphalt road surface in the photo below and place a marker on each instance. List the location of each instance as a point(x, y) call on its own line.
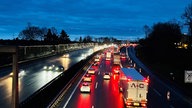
point(34, 76)
point(105, 93)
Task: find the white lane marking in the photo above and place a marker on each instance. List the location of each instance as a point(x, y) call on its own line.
point(96, 85)
point(99, 73)
point(92, 106)
point(73, 91)
point(157, 92)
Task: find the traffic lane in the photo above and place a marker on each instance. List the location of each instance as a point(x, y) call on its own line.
point(35, 77)
point(104, 93)
point(82, 100)
point(155, 98)
point(155, 87)
point(159, 97)
point(107, 93)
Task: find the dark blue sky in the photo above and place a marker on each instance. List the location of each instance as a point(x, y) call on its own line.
point(123, 19)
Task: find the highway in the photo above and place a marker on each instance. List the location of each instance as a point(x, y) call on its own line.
point(34, 76)
point(105, 93)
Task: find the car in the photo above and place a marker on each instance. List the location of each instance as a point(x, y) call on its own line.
point(116, 68)
point(59, 68)
point(66, 55)
point(20, 74)
point(95, 65)
point(91, 71)
point(106, 76)
point(48, 67)
point(85, 87)
point(87, 78)
point(97, 59)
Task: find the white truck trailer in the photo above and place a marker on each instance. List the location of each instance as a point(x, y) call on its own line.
point(116, 63)
point(108, 55)
point(116, 58)
point(134, 87)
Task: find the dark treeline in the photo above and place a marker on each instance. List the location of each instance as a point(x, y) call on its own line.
point(34, 35)
point(164, 41)
point(167, 51)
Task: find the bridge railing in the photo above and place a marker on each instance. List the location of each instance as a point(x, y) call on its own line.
point(38, 51)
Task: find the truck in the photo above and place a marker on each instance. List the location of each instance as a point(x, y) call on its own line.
point(116, 58)
point(116, 63)
point(108, 55)
point(134, 87)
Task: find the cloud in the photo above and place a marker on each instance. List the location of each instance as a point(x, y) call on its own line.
point(93, 17)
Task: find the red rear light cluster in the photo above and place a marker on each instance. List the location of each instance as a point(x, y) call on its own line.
point(146, 80)
point(129, 103)
point(143, 105)
point(129, 79)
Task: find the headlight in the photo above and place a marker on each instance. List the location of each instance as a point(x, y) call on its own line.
point(50, 67)
point(45, 67)
point(56, 68)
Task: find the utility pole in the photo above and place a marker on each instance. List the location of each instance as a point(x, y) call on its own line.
point(15, 88)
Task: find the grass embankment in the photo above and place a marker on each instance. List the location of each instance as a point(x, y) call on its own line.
point(169, 65)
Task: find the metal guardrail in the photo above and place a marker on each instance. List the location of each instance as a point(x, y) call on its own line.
point(61, 94)
point(57, 81)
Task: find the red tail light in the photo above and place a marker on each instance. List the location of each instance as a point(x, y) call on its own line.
point(146, 80)
point(129, 79)
point(143, 105)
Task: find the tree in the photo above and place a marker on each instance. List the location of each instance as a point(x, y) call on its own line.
point(54, 30)
point(87, 39)
point(30, 33)
point(187, 16)
point(44, 32)
point(147, 30)
point(51, 38)
point(164, 35)
point(64, 38)
point(80, 39)
point(48, 36)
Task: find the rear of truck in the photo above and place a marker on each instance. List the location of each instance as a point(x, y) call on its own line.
point(134, 88)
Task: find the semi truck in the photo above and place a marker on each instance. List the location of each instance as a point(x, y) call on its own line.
point(134, 87)
point(108, 55)
point(116, 63)
point(116, 58)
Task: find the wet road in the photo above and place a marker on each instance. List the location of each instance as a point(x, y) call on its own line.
point(34, 76)
point(105, 93)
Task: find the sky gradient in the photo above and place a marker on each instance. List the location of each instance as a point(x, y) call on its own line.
point(122, 19)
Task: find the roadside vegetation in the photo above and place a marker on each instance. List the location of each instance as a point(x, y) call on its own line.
point(167, 51)
point(32, 36)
